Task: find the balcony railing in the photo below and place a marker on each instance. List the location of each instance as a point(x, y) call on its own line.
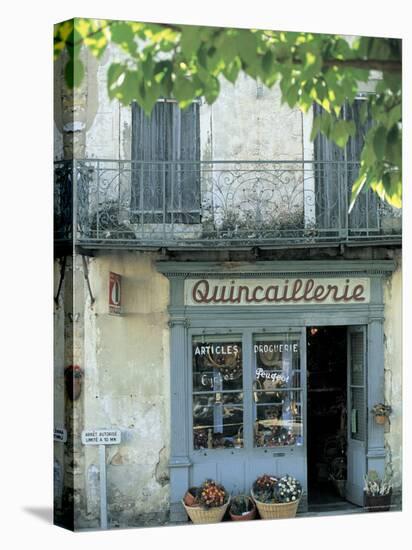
point(209, 204)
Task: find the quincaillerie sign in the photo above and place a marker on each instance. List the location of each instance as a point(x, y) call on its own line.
point(292, 291)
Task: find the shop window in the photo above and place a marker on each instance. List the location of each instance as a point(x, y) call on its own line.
point(271, 376)
point(217, 392)
point(277, 392)
point(165, 169)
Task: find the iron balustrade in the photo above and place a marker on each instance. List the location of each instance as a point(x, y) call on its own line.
point(238, 204)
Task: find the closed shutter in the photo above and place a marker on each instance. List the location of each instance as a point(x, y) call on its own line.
point(164, 189)
point(357, 416)
point(330, 180)
point(357, 385)
point(336, 169)
point(364, 214)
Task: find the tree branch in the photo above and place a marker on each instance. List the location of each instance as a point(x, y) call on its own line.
point(370, 64)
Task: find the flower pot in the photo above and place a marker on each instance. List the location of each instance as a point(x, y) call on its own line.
point(189, 499)
point(340, 487)
point(198, 514)
point(276, 510)
point(251, 514)
point(378, 503)
point(380, 419)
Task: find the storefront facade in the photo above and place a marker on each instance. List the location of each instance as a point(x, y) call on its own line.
point(258, 339)
point(259, 322)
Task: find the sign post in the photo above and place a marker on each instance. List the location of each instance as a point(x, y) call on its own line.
point(102, 438)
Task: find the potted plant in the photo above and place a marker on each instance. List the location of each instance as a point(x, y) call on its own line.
point(377, 492)
point(276, 497)
point(242, 508)
point(338, 475)
point(210, 503)
point(381, 412)
point(190, 498)
point(339, 485)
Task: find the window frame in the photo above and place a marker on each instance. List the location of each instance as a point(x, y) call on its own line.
point(165, 185)
point(247, 334)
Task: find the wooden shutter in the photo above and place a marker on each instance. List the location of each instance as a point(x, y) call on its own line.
point(365, 211)
point(334, 181)
point(189, 179)
point(330, 180)
point(357, 415)
point(162, 188)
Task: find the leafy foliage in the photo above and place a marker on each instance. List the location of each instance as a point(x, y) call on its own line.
point(241, 504)
point(375, 486)
point(187, 62)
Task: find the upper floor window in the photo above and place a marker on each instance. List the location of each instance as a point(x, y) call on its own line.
point(165, 155)
point(336, 169)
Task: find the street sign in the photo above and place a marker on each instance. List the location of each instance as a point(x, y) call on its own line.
point(101, 437)
point(60, 434)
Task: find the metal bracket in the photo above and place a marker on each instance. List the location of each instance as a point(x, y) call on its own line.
point(86, 276)
point(62, 270)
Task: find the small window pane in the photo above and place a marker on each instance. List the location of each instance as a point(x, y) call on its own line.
point(358, 424)
point(357, 358)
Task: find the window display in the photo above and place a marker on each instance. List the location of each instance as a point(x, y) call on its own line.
point(277, 393)
point(272, 372)
point(217, 392)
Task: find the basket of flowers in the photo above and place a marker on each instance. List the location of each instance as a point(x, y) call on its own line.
point(276, 497)
point(210, 504)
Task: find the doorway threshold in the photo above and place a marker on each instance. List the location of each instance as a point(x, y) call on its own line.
point(338, 507)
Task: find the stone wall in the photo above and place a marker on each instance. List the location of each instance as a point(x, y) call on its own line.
point(393, 371)
point(127, 387)
point(69, 339)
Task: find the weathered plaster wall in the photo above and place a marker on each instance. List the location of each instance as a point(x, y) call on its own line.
point(108, 134)
point(260, 128)
point(393, 370)
point(127, 387)
point(68, 351)
point(248, 123)
point(59, 391)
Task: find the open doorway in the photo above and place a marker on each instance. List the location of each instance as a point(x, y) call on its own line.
point(327, 416)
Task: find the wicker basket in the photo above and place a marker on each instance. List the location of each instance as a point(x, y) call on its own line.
point(198, 514)
point(276, 511)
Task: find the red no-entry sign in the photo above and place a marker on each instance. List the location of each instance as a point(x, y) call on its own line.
point(115, 285)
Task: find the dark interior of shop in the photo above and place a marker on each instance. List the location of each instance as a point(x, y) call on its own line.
point(327, 415)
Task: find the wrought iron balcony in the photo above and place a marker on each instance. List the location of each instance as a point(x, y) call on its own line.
point(212, 204)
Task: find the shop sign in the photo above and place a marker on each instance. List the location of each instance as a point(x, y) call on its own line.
point(115, 293)
point(270, 292)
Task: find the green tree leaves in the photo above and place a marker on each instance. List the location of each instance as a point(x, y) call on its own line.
point(187, 61)
point(74, 72)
